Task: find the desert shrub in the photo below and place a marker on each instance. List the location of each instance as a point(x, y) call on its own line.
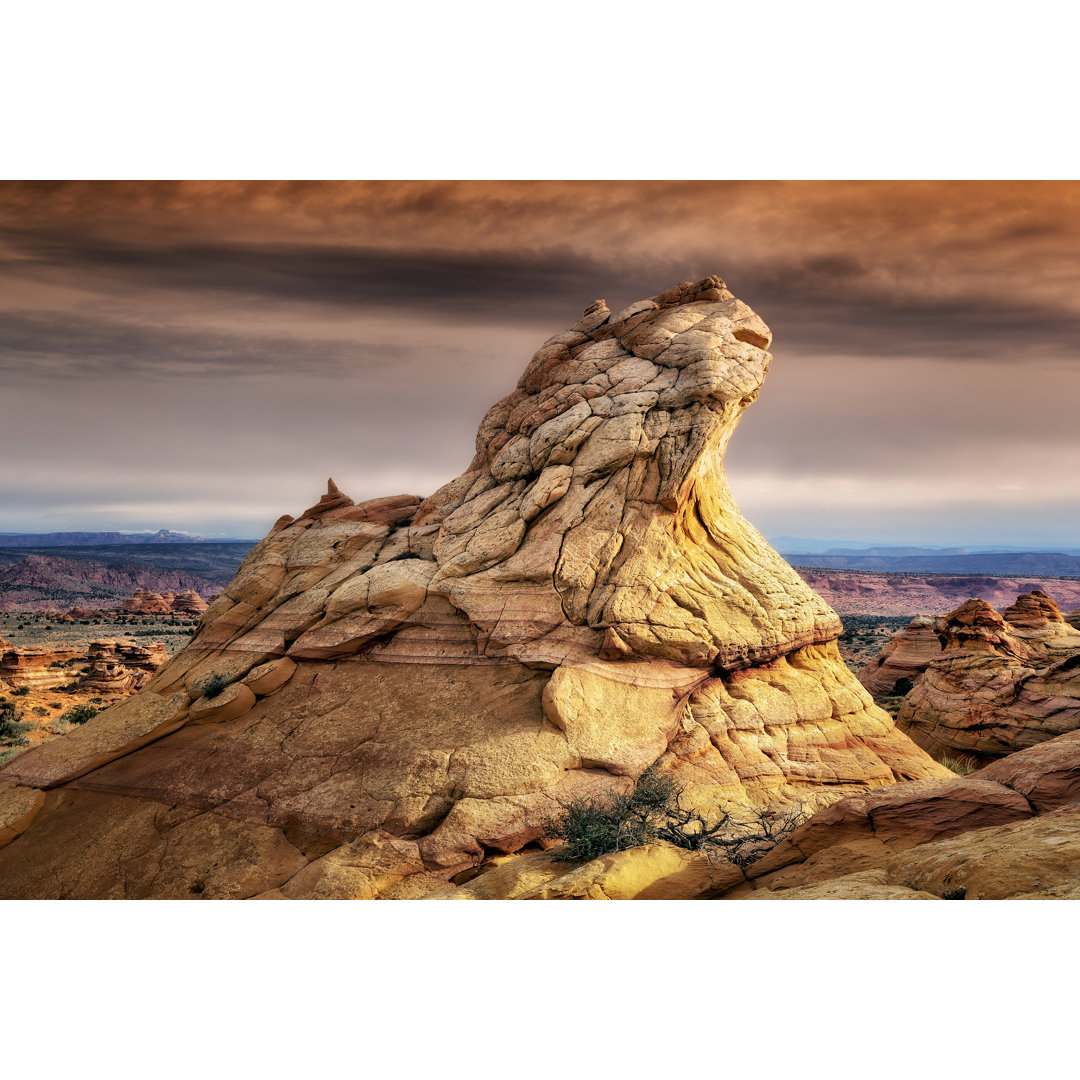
point(962, 766)
point(902, 686)
point(957, 893)
point(40, 710)
point(80, 714)
point(214, 685)
point(740, 840)
point(12, 729)
point(590, 828)
point(653, 810)
point(56, 704)
point(21, 691)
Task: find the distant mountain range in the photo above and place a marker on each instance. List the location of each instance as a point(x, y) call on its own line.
point(802, 551)
point(805, 545)
point(99, 539)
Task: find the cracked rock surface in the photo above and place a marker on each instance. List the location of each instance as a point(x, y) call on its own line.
point(393, 692)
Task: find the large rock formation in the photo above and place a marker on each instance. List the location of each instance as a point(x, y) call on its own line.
point(1001, 683)
point(389, 693)
point(36, 667)
point(902, 662)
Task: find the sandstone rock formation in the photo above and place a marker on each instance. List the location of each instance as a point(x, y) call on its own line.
point(145, 602)
point(413, 686)
point(1008, 831)
point(906, 657)
point(189, 602)
point(118, 667)
point(37, 667)
point(1001, 683)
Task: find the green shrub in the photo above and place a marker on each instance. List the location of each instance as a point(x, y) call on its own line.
point(962, 766)
point(653, 810)
point(903, 686)
point(594, 827)
point(12, 728)
point(22, 691)
point(214, 685)
point(80, 714)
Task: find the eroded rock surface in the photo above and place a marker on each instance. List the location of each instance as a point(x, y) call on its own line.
point(1008, 831)
point(902, 662)
point(391, 692)
point(1003, 682)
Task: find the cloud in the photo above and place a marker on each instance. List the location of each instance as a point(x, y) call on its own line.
point(50, 344)
point(271, 333)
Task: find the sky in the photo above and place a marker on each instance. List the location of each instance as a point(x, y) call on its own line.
point(201, 356)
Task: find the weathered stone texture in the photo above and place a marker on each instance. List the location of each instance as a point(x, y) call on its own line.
point(412, 687)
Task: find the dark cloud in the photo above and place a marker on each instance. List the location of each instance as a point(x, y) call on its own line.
point(47, 344)
point(831, 304)
point(925, 340)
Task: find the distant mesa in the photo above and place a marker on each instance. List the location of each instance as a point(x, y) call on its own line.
point(80, 539)
point(874, 592)
point(43, 582)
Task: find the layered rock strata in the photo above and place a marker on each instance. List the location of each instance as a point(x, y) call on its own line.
point(413, 686)
point(36, 667)
point(1003, 682)
point(901, 664)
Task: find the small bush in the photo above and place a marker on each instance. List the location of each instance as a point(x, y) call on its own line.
point(962, 766)
point(653, 810)
point(594, 827)
point(903, 686)
point(80, 714)
point(22, 691)
point(12, 728)
point(214, 685)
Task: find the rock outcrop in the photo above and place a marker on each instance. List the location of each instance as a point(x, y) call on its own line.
point(392, 692)
point(1003, 682)
point(1008, 831)
point(118, 667)
point(902, 662)
point(37, 667)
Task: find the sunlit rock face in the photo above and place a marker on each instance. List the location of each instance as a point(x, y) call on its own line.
point(906, 656)
point(1002, 682)
point(390, 692)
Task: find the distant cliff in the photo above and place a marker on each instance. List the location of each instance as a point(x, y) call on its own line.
point(78, 539)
